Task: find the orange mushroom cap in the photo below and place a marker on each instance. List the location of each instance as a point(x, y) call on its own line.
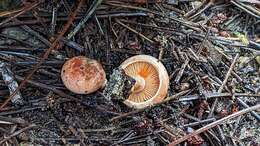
point(152, 81)
point(82, 75)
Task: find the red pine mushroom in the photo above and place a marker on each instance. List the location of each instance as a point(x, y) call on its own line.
point(82, 75)
point(152, 81)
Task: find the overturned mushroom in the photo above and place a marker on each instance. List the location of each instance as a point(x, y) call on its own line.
point(152, 81)
point(82, 75)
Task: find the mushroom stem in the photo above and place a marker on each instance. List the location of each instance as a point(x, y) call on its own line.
point(139, 84)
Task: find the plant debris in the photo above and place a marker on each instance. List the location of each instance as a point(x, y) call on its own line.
point(209, 48)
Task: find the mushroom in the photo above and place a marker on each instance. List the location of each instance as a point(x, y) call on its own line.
point(82, 75)
point(152, 81)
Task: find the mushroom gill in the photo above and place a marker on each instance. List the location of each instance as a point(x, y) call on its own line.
point(147, 81)
point(151, 80)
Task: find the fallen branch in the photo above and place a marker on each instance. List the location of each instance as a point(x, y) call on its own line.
point(213, 124)
point(46, 54)
point(17, 133)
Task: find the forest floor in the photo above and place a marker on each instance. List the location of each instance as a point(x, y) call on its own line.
point(211, 51)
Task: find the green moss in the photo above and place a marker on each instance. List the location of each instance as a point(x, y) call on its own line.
point(242, 37)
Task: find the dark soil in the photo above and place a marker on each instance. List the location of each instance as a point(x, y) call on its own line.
point(206, 42)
